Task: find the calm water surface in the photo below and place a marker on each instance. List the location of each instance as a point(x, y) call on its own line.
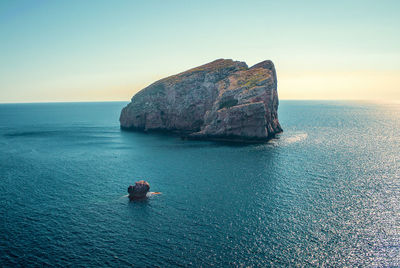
point(326, 192)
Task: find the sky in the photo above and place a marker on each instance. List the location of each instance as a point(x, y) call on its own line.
point(109, 50)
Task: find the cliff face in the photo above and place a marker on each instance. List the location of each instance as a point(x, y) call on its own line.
point(223, 99)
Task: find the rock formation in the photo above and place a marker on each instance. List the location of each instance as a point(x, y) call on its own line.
point(221, 100)
point(139, 190)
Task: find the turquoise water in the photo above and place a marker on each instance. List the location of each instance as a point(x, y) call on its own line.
point(326, 192)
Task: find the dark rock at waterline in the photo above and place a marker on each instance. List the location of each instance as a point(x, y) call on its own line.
point(139, 190)
point(222, 100)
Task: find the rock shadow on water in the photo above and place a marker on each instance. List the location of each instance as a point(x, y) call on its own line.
point(184, 141)
point(39, 133)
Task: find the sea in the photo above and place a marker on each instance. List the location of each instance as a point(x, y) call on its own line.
point(325, 192)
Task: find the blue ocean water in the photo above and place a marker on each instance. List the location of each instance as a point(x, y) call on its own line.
point(324, 193)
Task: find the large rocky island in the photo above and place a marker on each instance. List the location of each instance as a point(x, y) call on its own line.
point(222, 100)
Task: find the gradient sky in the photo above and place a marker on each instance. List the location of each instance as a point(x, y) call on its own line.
point(108, 50)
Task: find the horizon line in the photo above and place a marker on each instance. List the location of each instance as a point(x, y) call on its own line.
point(128, 101)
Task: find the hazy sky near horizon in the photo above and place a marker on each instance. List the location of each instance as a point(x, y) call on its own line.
point(108, 50)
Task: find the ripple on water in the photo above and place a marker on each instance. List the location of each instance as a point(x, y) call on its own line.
point(324, 193)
